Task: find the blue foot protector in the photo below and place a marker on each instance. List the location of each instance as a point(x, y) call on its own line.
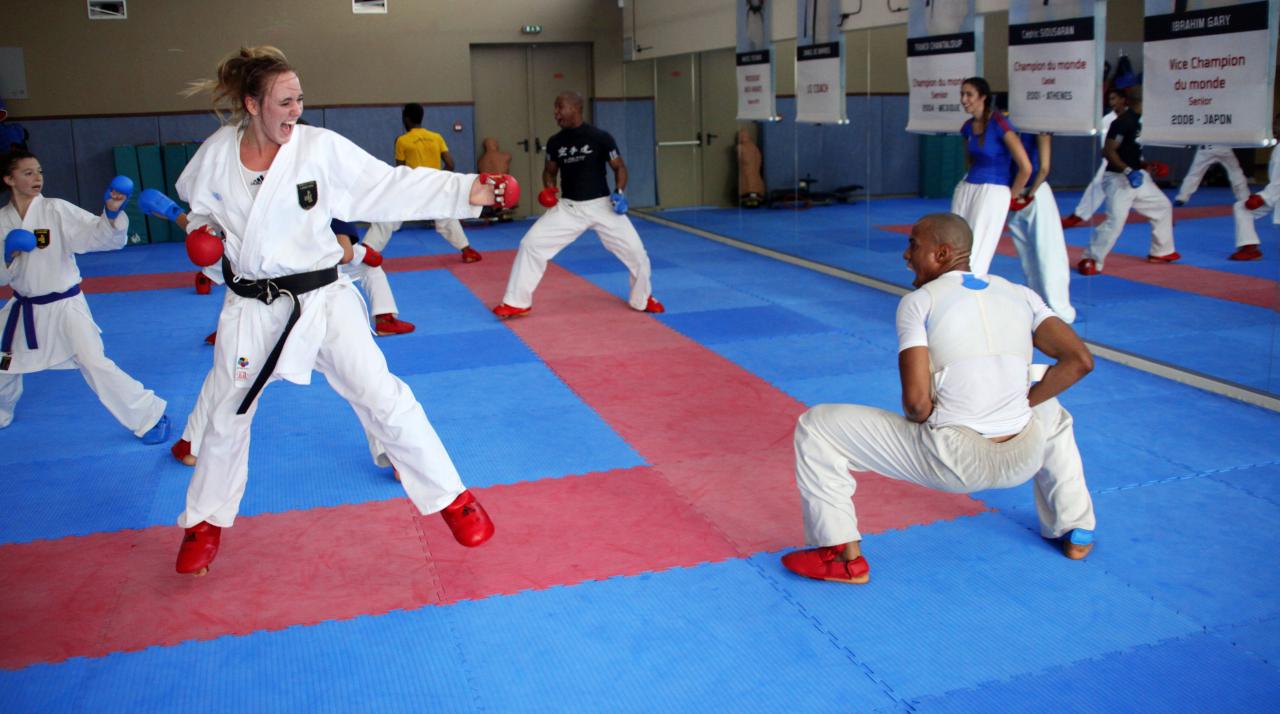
point(157, 434)
point(1080, 536)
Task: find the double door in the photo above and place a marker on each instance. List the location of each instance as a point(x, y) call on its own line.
point(695, 126)
point(514, 88)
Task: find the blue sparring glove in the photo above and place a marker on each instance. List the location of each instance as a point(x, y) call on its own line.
point(155, 202)
point(19, 240)
point(1135, 178)
point(619, 202)
point(121, 185)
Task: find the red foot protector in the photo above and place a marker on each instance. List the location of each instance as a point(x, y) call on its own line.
point(826, 564)
point(467, 520)
point(199, 548)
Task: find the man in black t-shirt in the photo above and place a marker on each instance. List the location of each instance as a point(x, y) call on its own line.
point(579, 154)
point(1127, 186)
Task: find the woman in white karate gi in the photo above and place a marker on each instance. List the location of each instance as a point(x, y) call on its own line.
point(273, 187)
point(47, 324)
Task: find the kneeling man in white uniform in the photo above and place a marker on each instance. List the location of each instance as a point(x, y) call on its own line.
point(973, 419)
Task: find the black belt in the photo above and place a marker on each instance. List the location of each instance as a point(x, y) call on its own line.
point(24, 305)
point(267, 290)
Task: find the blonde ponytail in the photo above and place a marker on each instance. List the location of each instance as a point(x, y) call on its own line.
point(246, 73)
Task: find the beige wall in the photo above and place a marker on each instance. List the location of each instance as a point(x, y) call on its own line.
point(419, 51)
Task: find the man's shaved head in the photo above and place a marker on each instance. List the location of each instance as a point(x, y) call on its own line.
point(947, 229)
point(571, 97)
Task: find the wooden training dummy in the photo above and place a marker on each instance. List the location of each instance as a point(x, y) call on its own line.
point(750, 181)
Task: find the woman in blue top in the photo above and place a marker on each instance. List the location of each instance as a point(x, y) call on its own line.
point(984, 196)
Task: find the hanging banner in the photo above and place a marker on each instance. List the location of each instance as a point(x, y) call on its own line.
point(1055, 65)
point(819, 63)
point(755, 61)
point(1209, 68)
point(944, 47)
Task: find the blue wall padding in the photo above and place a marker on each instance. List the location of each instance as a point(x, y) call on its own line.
point(94, 139)
point(375, 129)
point(51, 141)
point(937, 617)
point(180, 128)
point(631, 122)
point(463, 145)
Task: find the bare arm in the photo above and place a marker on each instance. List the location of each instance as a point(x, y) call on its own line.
point(348, 251)
point(447, 160)
point(1111, 152)
point(619, 173)
point(549, 173)
point(917, 383)
point(1019, 155)
point(1073, 360)
point(1044, 147)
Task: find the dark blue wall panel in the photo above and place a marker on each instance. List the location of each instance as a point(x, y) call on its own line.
point(463, 145)
point(94, 139)
point(631, 122)
point(373, 129)
point(183, 128)
point(51, 141)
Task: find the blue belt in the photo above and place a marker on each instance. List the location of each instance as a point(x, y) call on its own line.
point(25, 305)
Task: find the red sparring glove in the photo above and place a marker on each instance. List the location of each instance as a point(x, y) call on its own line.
point(548, 197)
point(204, 247)
point(506, 190)
point(1017, 203)
point(1158, 169)
point(372, 258)
point(1254, 202)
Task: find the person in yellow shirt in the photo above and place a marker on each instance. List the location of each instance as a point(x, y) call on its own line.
point(418, 147)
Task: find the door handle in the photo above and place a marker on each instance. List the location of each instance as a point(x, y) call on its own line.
point(537, 145)
point(711, 137)
point(525, 144)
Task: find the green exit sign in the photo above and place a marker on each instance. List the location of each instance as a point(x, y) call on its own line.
point(531, 29)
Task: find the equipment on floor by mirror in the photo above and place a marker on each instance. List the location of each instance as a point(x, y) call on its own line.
point(803, 195)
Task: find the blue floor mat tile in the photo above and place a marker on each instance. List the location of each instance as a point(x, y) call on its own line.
point(403, 661)
point(940, 616)
point(1199, 673)
point(684, 628)
point(807, 356)
point(59, 497)
point(717, 326)
point(1194, 546)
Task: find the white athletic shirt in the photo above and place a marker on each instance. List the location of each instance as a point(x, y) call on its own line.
point(986, 393)
point(252, 179)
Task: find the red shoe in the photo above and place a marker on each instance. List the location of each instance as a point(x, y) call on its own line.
point(504, 311)
point(203, 284)
point(471, 255)
point(468, 521)
point(387, 324)
point(211, 338)
point(1247, 252)
point(1163, 258)
point(1088, 266)
point(199, 548)
point(654, 306)
point(826, 564)
point(1072, 221)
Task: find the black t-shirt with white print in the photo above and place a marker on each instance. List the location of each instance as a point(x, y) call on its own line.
point(582, 153)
